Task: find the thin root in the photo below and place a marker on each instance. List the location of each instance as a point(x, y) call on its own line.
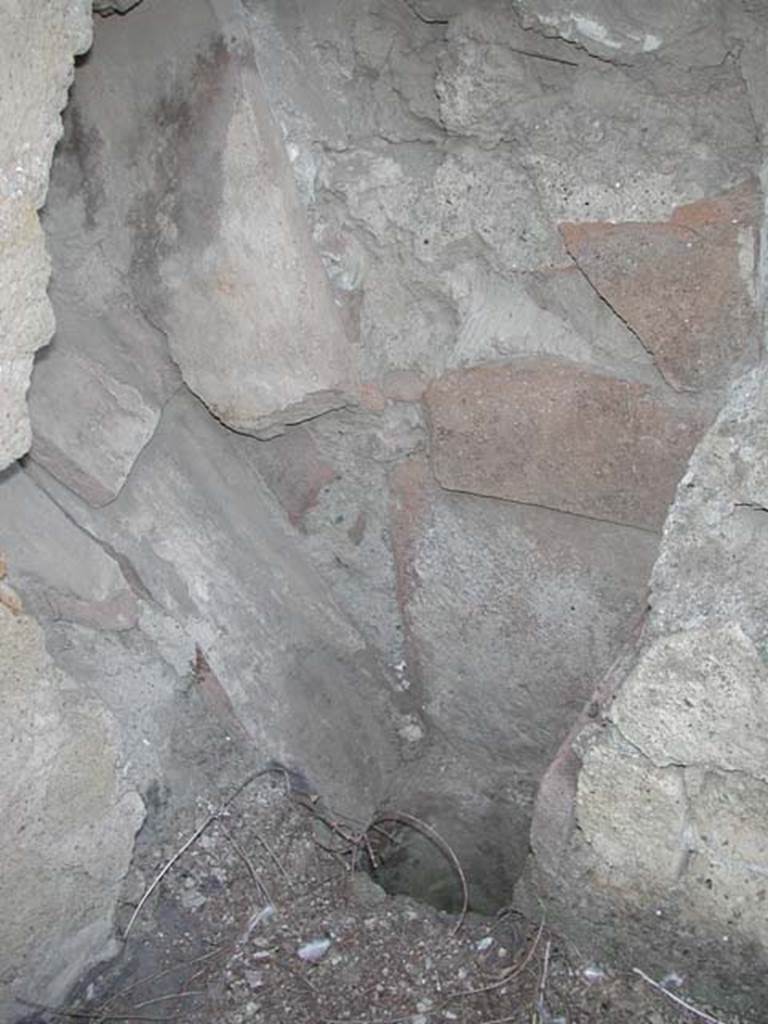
point(701, 1014)
point(193, 839)
point(260, 885)
point(399, 817)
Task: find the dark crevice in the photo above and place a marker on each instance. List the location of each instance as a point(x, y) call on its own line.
point(550, 508)
point(410, 4)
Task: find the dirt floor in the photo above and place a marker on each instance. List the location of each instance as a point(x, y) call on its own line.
point(265, 915)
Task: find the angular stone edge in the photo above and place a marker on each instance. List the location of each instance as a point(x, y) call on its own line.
point(70, 818)
point(621, 898)
point(26, 323)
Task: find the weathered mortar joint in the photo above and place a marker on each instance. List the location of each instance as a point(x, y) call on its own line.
point(411, 5)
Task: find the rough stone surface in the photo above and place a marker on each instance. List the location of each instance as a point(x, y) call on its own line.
point(69, 823)
point(556, 435)
point(502, 667)
point(99, 388)
point(432, 652)
point(726, 878)
point(199, 536)
point(436, 159)
point(295, 472)
point(214, 270)
point(712, 710)
point(97, 392)
point(683, 738)
point(83, 583)
point(36, 56)
point(641, 841)
point(345, 526)
point(618, 30)
point(685, 287)
point(717, 529)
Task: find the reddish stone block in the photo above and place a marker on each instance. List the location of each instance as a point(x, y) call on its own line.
point(550, 433)
point(684, 286)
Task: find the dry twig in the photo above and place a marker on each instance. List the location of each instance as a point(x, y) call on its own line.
point(275, 859)
point(95, 1016)
point(540, 1006)
point(103, 1013)
point(257, 881)
point(166, 998)
point(512, 972)
point(701, 1014)
point(194, 837)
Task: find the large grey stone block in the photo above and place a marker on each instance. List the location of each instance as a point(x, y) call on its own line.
point(69, 824)
point(649, 831)
point(37, 50)
point(204, 222)
point(199, 535)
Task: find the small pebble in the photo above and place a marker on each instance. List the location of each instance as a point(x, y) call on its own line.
point(593, 973)
point(314, 950)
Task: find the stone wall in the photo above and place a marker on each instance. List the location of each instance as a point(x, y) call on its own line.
point(545, 241)
point(384, 334)
point(190, 230)
point(648, 838)
point(69, 815)
point(180, 622)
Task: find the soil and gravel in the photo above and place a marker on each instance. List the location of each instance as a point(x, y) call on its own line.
point(267, 915)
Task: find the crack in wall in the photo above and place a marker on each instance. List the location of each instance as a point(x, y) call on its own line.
point(411, 5)
point(540, 30)
point(645, 347)
point(550, 508)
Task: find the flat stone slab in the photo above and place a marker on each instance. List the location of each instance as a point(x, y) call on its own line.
point(683, 286)
point(61, 571)
point(545, 432)
point(93, 408)
point(201, 537)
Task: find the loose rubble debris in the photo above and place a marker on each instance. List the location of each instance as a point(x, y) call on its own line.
point(261, 914)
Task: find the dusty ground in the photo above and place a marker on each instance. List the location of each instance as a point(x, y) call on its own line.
point(218, 938)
